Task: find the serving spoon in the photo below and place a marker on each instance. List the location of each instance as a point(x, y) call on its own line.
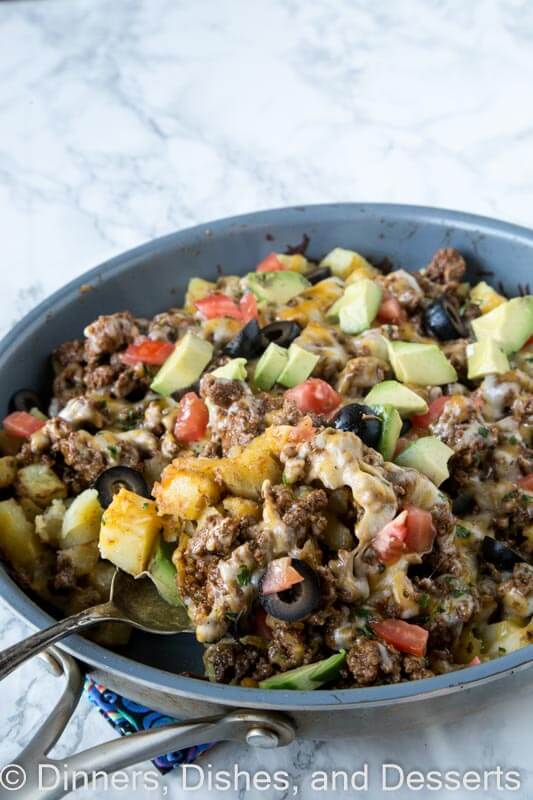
point(135, 601)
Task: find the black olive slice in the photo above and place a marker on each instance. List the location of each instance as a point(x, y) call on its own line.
point(442, 320)
point(247, 343)
point(318, 274)
point(25, 400)
point(281, 332)
point(111, 480)
point(297, 602)
point(361, 420)
point(498, 554)
point(463, 504)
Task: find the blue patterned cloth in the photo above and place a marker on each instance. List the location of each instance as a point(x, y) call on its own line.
point(127, 717)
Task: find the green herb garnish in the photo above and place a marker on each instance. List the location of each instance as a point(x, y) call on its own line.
point(483, 431)
point(462, 532)
point(243, 575)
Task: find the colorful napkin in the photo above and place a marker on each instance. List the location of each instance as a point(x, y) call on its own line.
point(127, 717)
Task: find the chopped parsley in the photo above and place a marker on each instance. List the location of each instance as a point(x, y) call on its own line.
point(483, 431)
point(243, 575)
point(513, 440)
point(462, 532)
point(423, 600)
point(458, 592)
point(366, 631)
point(146, 505)
point(366, 613)
point(113, 451)
point(502, 650)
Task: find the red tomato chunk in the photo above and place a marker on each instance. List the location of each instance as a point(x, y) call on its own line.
point(147, 351)
point(404, 636)
point(315, 395)
point(193, 417)
point(22, 424)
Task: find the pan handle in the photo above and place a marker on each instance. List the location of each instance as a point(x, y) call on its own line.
point(34, 776)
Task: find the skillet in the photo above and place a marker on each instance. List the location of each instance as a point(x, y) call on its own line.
point(152, 278)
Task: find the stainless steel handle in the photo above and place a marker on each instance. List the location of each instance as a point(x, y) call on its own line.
point(256, 728)
point(15, 655)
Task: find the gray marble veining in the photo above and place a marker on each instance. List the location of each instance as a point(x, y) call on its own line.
point(124, 120)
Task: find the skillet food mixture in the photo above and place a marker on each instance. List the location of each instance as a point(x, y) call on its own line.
point(328, 465)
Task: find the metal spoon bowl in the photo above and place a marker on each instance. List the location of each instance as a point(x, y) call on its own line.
point(135, 601)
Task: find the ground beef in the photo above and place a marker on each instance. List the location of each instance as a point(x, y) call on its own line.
point(304, 515)
point(415, 668)
point(229, 662)
point(84, 460)
point(215, 534)
point(447, 267)
point(521, 581)
point(68, 383)
point(361, 373)
point(108, 334)
point(221, 392)
point(288, 647)
point(455, 352)
point(68, 353)
point(99, 377)
point(404, 287)
point(364, 661)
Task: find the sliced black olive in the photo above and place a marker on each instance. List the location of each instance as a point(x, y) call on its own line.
point(406, 427)
point(297, 602)
point(499, 554)
point(111, 480)
point(247, 343)
point(361, 420)
point(282, 333)
point(463, 504)
point(318, 274)
point(442, 320)
point(25, 400)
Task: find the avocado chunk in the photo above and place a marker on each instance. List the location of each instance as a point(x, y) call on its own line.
point(392, 393)
point(183, 366)
point(270, 366)
point(391, 425)
point(309, 677)
point(509, 324)
point(486, 358)
point(423, 364)
point(486, 297)
point(162, 572)
point(343, 262)
point(428, 455)
point(300, 365)
point(234, 370)
point(277, 287)
point(357, 308)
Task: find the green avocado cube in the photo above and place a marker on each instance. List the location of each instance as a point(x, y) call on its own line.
point(509, 324)
point(270, 366)
point(486, 358)
point(392, 393)
point(277, 287)
point(184, 365)
point(429, 456)
point(422, 364)
point(391, 425)
point(300, 365)
point(311, 676)
point(234, 370)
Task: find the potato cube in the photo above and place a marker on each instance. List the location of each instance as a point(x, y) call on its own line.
point(81, 523)
point(40, 483)
point(128, 531)
point(187, 487)
point(8, 471)
point(48, 525)
point(18, 541)
point(239, 507)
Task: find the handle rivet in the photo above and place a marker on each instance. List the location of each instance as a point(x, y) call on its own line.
point(262, 737)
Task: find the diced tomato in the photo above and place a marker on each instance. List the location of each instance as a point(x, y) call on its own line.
point(390, 310)
point(404, 636)
point(526, 482)
point(475, 661)
point(420, 530)
point(147, 351)
point(389, 543)
point(22, 424)
point(270, 264)
point(248, 307)
point(528, 343)
point(218, 305)
point(303, 431)
point(401, 444)
point(411, 531)
point(314, 395)
point(280, 575)
point(432, 414)
point(192, 419)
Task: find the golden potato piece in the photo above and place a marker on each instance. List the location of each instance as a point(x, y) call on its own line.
point(18, 541)
point(8, 471)
point(40, 483)
point(187, 487)
point(240, 507)
point(128, 532)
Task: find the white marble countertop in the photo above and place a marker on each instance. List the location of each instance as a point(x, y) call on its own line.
point(125, 120)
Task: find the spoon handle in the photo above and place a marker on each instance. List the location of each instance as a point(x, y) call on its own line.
point(15, 655)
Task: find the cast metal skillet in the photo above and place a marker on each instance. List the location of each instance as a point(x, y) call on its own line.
point(150, 279)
